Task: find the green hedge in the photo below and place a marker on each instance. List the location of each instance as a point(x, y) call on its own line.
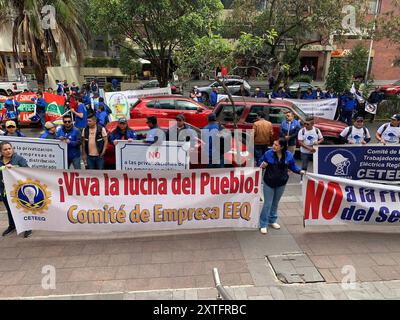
point(101, 63)
point(303, 78)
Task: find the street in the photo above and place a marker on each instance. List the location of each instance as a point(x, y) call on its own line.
point(324, 262)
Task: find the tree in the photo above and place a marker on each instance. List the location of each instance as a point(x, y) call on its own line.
point(156, 27)
point(44, 36)
point(293, 26)
point(339, 75)
point(205, 55)
point(127, 64)
point(358, 60)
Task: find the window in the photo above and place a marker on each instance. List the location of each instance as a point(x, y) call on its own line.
point(166, 104)
point(252, 117)
point(372, 6)
point(277, 114)
point(226, 113)
point(186, 105)
point(151, 104)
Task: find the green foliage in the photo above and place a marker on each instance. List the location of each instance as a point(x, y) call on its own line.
point(101, 63)
point(205, 55)
point(156, 27)
point(339, 75)
point(303, 78)
point(128, 64)
point(358, 60)
point(107, 87)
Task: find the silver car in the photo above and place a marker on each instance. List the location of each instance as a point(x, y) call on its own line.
point(233, 86)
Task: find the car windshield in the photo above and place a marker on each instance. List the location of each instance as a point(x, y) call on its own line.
point(300, 112)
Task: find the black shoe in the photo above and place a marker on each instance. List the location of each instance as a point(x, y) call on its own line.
point(8, 231)
point(27, 234)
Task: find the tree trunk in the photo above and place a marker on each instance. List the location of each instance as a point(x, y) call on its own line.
point(40, 74)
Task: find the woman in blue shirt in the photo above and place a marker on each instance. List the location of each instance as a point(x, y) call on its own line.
point(276, 163)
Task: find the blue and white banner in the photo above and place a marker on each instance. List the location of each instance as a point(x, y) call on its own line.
point(337, 201)
point(376, 163)
point(325, 108)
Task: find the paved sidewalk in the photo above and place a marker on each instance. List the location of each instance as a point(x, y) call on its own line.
point(179, 266)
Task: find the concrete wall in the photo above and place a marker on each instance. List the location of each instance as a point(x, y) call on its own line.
point(63, 73)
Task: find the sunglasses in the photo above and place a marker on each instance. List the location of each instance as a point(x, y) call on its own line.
point(67, 122)
point(11, 127)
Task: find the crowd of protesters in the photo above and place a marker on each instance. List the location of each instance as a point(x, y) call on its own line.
point(83, 130)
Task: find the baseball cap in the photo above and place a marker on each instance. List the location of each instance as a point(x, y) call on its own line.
point(359, 119)
point(122, 120)
point(396, 117)
point(49, 125)
point(10, 123)
point(212, 117)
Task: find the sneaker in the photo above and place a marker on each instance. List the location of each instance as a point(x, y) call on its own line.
point(8, 231)
point(27, 234)
point(264, 230)
point(275, 226)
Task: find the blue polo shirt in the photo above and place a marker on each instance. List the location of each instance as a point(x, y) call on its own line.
point(81, 123)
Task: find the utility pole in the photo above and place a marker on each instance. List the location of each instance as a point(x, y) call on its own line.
point(372, 41)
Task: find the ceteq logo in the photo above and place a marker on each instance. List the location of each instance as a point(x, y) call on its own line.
point(339, 163)
point(31, 196)
point(342, 165)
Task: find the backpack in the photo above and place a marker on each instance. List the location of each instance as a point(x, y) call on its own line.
point(317, 131)
point(351, 130)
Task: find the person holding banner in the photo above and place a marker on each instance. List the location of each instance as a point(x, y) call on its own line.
point(8, 160)
point(390, 132)
point(71, 136)
point(289, 131)
point(122, 132)
point(277, 163)
point(309, 137)
point(94, 146)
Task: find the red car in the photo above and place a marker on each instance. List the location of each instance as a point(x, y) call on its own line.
point(391, 89)
point(141, 128)
point(168, 107)
point(275, 110)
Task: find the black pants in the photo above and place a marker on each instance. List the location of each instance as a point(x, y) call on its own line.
point(11, 222)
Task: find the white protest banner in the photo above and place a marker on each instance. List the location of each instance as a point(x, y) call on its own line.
point(40, 153)
point(121, 102)
point(135, 155)
point(93, 201)
point(338, 201)
point(325, 108)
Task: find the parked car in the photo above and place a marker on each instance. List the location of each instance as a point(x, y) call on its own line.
point(153, 84)
point(304, 86)
point(169, 107)
point(232, 84)
point(275, 110)
point(391, 89)
point(141, 128)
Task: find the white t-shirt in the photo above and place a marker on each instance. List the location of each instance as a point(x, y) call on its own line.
point(391, 134)
point(357, 136)
point(309, 137)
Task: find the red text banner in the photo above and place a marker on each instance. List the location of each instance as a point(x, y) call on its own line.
point(133, 201)
point(337, 201)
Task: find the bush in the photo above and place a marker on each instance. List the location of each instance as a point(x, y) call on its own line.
point(101, 63)
point(107, 87)
point(303, 78)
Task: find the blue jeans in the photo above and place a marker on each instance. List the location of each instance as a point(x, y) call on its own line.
point(95, 163)
point(347, 117)
point(42, 117)
point(269, 213)
point(305, 159)
point(76, 162)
